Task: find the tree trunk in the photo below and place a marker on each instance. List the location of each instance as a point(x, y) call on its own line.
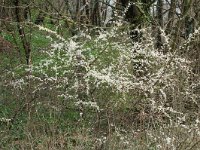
point(96, 18)
point(171, 16)
point(87, 10)
point(160, 22)
point(25, 42)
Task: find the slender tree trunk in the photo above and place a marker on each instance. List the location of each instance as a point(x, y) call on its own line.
point(96, 19)
point(171, 15)
point(160, 22)
point(87, 10)
point(25, 42)
point(77, 10)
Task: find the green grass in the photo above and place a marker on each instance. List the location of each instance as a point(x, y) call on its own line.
point(39, 44)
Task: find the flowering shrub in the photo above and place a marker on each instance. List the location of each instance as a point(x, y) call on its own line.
point(109, 73)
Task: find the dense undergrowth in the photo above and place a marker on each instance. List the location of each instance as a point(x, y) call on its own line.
point(102, 91)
